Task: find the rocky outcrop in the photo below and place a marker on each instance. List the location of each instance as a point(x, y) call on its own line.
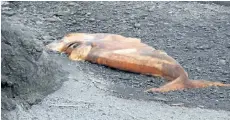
point(28, 74)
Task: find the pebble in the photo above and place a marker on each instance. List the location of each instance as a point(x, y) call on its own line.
point(198, 69)
point(137, 25)
point(78, 28)
point(127, 12)
point(81, 19)
point(47, 38)
point(91, 19)
point(71, 4)
point(53, 19)
point(160, 99)
point(224, 72)
point(6, 8)
point(177, 104)
point(39, 22)
point(151, 9)
point(144, 15)
point(201, 106)
point(203, 47)
point(9, 13)
point(223, 62)
point(228, 45)
point(88, 13)
point(62, 13)
point(222, 96)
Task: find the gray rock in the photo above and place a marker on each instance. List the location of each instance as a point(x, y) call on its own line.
point(228, 45)
point(223, 62)
point(9, 13)
point(203, 47)
point(137, 25)
point(52, 19)
point(28, 72)
point(88, 13)
point(39, 22)
point(91, 19)
point(72, 4)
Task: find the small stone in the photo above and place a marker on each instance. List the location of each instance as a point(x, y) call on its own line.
point(144, 15)
point(198, 69)
point(151, 25)
point(228, 45)
point(78, 28)
point(77, 5)
point(127, 12)
point(71, 4)
point(224, 72)
point(203, 47)
point(91, 19)
point(62, 13)
point(222, 96)
point(4, 3)
point(6, 8)
point(39, 22)
point(223, 62)
point(81, 19)
point(151, 9)
point(9, 13)
point(47, 38)
point(137, 25)
point(177, 104)
point(132, 17)
point(160, 99)
point(53, 19)
point(201, 106)
point(88, 13)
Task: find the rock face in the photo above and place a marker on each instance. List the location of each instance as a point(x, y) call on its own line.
point(27, 72)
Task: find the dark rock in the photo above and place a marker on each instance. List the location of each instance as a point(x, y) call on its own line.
point(28, 74)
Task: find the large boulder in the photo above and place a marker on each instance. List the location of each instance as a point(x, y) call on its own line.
point(28, 72)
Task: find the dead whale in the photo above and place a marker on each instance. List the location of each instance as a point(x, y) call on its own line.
point(128, 54)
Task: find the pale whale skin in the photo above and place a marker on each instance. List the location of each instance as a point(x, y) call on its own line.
point(128, 54)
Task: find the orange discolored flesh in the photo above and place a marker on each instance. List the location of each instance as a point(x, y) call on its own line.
point(128, 54)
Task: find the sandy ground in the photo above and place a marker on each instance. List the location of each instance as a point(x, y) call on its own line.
point(85, 98)
point(195, 34)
